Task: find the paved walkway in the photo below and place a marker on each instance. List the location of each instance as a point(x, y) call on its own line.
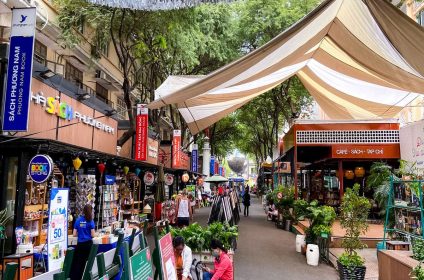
point(267, 253)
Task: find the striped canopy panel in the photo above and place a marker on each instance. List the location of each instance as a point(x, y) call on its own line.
point(359, 59)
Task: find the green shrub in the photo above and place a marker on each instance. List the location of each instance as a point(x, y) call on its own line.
point(351, 260)
point(417, 272)
point(418, 249)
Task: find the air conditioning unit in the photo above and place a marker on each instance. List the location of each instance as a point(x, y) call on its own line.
point(101, 75)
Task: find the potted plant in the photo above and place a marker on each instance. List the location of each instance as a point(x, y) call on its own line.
point(353, 218)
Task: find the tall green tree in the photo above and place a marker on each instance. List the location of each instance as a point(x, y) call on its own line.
point(265, 118)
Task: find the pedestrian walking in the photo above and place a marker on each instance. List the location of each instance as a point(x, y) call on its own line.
point(183, 210)
point(246, 201)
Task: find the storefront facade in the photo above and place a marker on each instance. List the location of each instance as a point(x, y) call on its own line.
point(325, 157)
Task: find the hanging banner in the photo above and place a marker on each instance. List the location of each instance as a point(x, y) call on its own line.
point(19, 71)
point(176, 149)
point(141, 135)
point(220, 170)
point(167, 258)
point(40, 168)
point(212, 166)
point(141, 265)
point(57, 233)
point(194, 158)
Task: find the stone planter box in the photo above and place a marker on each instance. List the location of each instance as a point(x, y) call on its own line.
point(395, 265)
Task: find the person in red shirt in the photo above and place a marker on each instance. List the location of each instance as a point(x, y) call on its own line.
point(223, 266)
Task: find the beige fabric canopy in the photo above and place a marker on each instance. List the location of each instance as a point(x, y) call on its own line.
point(358, 59)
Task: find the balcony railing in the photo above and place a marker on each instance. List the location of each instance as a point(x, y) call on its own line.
point(60, 70)
point(51, 65)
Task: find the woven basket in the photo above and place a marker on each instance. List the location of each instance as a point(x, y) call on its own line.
point(351, 273)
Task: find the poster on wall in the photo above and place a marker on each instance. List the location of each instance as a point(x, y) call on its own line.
point(194, 158)
point(141, 265)
point(141, 138)
point(167, 258)
point(412, 145)
point(18, 83)
point(176, 149)
point(57, 232)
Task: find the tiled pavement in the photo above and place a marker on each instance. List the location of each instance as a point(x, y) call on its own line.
point(267, 253)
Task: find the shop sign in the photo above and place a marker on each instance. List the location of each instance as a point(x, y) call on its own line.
point(169, 179)
point(366, 151)
point(176, 149)
point(167, 258)
point(18, 83)
point(141, 265)
point(110, 180)
point(194, 158)
point(141, 134)
point(149, 178)
point(40, 168)
point(153, 151)
point(57, 233)
point(65, 111)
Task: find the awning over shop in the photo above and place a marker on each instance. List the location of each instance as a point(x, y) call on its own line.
point(358, 59)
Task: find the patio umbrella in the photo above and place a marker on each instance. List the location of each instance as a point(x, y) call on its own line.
point(216, 179)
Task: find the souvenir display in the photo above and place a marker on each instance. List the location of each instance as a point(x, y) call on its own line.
point(109, 204)
point(86, 192)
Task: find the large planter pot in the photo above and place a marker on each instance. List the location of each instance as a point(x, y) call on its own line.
point(351, 272)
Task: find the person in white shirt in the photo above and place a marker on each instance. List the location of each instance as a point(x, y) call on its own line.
point(184, 212)
point(183, 258)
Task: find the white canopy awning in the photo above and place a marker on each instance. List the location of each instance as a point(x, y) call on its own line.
point(358, 59)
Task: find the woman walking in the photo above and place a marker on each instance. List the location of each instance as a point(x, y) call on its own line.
point(184, 212)
point(246, 201)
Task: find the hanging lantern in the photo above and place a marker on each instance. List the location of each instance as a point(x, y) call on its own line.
point(101, 167)
point(359, 172)
point(349, 174)
point(137, 171)
point(185, 178)
point(126, 169)
point(77, 163)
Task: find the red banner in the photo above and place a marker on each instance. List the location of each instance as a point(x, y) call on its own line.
point(141, 132)
point(176, 149)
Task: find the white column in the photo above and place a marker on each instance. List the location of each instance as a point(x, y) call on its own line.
point(206, 162)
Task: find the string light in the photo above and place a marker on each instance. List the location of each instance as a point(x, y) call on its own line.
point(153, 5)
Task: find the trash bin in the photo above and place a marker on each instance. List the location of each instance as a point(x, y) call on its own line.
point(312, 254)
point(300, 240)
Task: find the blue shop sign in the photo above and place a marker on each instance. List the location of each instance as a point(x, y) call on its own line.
point(40, 168)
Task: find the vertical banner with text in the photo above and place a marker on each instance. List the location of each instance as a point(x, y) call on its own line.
point(176, 149)
point(19, 70)
point(194, 158)
point(141, 137)
point(167, 257)
point(57, 233)
point(212, 166)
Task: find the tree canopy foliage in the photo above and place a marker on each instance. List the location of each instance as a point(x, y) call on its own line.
point(153, 45)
